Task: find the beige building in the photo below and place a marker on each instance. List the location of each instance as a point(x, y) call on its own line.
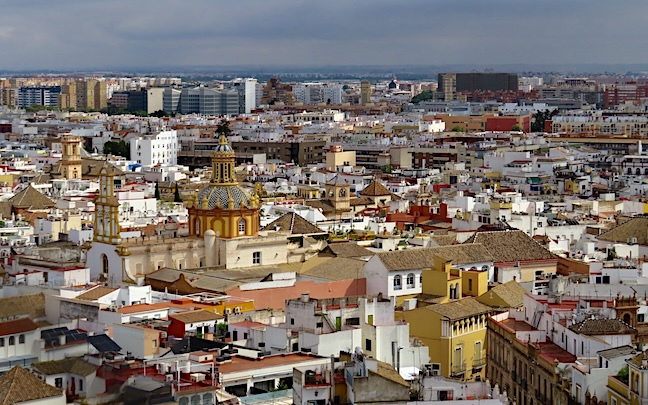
point(91, 94)
point(365, 92)
point(336, 157)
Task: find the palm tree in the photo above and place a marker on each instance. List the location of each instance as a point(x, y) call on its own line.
point(223, 127)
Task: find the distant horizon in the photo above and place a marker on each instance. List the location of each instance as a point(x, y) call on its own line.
point(265, 69)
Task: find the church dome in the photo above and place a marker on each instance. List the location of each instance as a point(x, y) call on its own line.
point(224, 197)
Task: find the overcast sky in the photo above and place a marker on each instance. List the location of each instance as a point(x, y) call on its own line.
point(91, 34)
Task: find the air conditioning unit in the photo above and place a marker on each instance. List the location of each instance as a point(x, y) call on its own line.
point(169, 377)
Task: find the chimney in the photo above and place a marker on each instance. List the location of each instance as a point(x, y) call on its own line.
point(305, 297)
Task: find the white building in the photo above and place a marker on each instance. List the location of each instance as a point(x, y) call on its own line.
point(161, 148)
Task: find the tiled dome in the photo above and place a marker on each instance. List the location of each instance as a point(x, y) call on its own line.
point(219, 196)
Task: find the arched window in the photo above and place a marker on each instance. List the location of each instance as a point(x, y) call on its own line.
point(452, 292)
point(398, 282)
point(21, 339)
point(12, 340)
point(457, 291)
point(104, 263)
point(410, 280)
point(241, 226)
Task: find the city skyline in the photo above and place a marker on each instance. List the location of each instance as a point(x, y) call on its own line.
point(91, 35)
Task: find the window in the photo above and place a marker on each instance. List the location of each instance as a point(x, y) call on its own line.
point(256, 258)
point(1, 342)
point(292, 321)
point(241, 226)
point(59, 382)
point(410, 280)
point(398, 282)
point(12, 340)
point(368, 345)
point(640, 317)
point(80, 384)
point(469, 284)
point(21, 339)
point(155, 343)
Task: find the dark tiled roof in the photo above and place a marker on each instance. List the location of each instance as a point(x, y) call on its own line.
point(375, 189)
point(293, 223)
point(510, 246)
point(338, 268)
point(603, 327)
point(32, 305)
point(324, 205)
point(73, 365)
point(31, 198)
point(17, 326)
point(95, 293)
point(424, 258)
point(634, 228)
point(617, 352)
point(346, 249)
point(90, 167)
point(461, 308)
point(511, 293)
point(360, 201)
point(195, 316)
point(19, 385)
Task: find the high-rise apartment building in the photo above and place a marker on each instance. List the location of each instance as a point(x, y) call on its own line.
point(41, 95)
point(318, 93)
point(91, 94)
point(246, 89)
point(365, 92)
point(68, 96)
point(201, 100)
point(276, 92)
point(451, 84)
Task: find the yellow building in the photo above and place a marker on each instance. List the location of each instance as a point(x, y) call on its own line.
point(632, 389)
point(223, 207)
point(455, 332)
point(71, 165)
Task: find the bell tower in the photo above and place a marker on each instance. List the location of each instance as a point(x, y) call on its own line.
point(223, 164)
point(339, 195)
point(106, 219)
point(71, 159)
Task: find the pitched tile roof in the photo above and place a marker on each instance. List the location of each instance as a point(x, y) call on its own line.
point(195, 316)
point(617, 352)
point(96, 293)
point(460, 309)
point(639, 359)
point(17, 326)
point(32, 305)
point(31, 198)
point(424, 257)
point(388, 372)
point(293, 223)
point(444, 240)
point(338, 268)
point(510, 246)
point(346, 249)
point(511, 293)
point(375, 189)
point(19, 385)
point(603, 327)
point(634, 228)
point(72, 365)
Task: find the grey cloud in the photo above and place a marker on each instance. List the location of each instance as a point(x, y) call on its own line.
point(43, 34)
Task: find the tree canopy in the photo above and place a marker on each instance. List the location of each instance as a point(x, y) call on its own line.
point(539, 118)
point(118, 148)
point(223, 127)
point(422, 96)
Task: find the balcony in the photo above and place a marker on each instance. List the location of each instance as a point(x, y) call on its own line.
point(541, 398)
point(479, 362)
point(459, 368)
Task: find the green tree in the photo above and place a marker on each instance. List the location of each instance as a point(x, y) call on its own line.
point(517, 128)
point(387, 168)
point(118, 148)
point(159, 114)
point(422, 96)
point(176, 195)
point(223, 127)
point(157, 191)
point(539, 118)
point(457, 129)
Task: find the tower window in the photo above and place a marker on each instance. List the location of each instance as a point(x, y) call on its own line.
point(256, 257)
point(241, 226)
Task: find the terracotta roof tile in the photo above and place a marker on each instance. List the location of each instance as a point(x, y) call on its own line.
point(424, 257)
point(195, 316)
point(293, 223)
point(17, 326)
point(603, 327)
point(634, 228)
point(461, 308)
point(31, 198)
point(510, 246)
point(19, 385)
point(95, 293)
point(32, 305)
point(346, 249)
point(73, 365)
point(375, 189)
